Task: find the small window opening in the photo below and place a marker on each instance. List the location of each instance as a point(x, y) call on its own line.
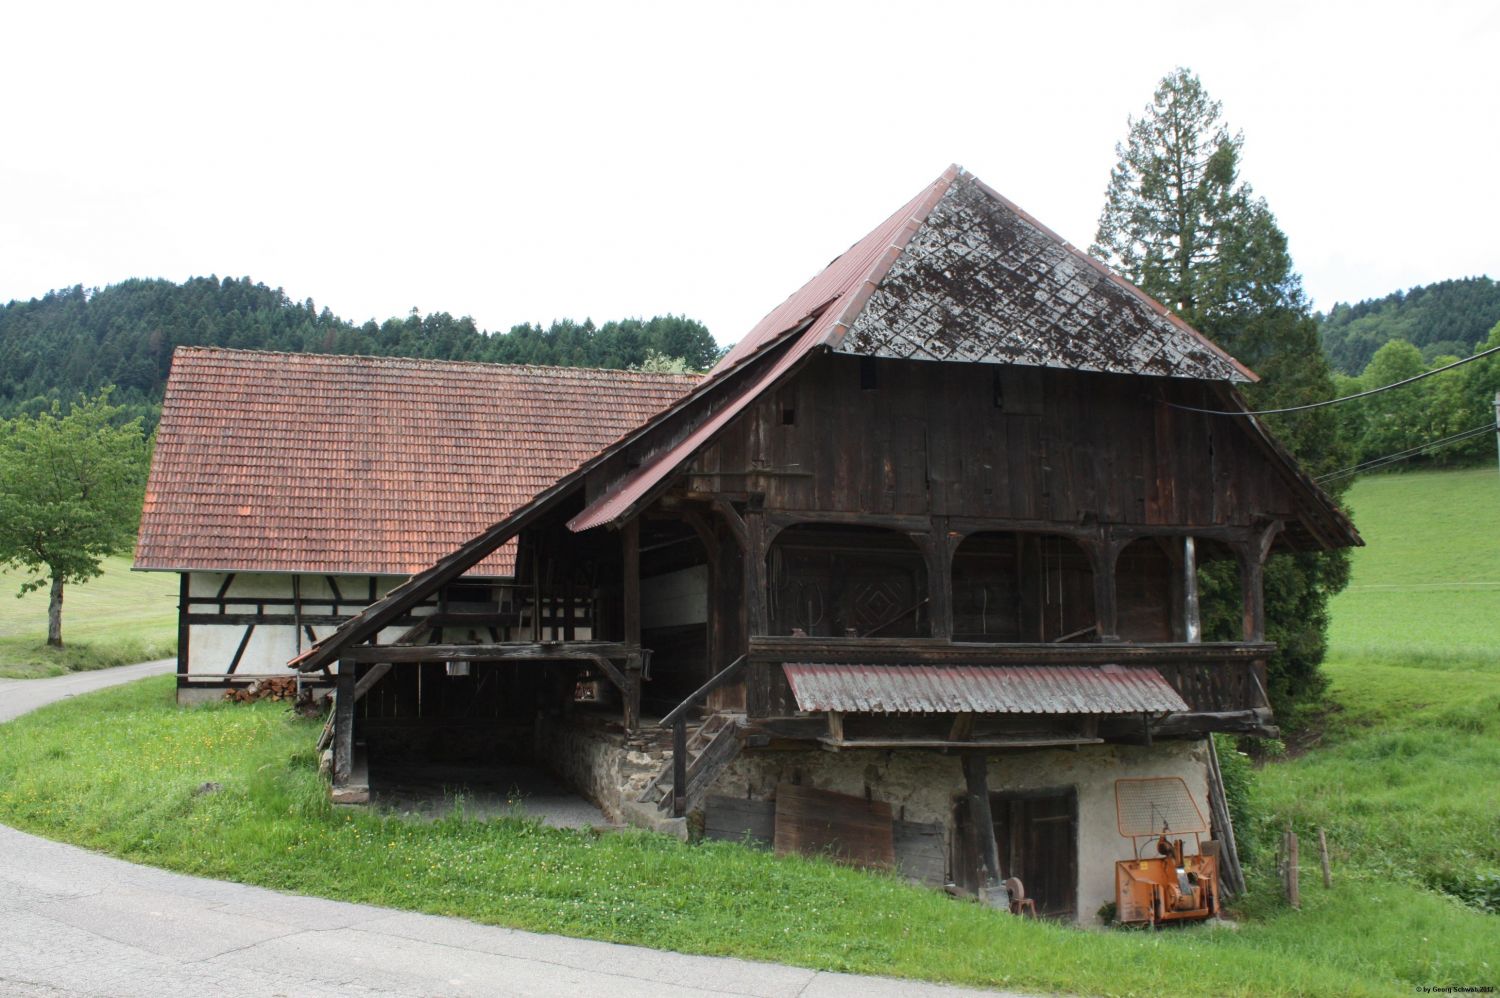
point(869, 378)
point(788, 416)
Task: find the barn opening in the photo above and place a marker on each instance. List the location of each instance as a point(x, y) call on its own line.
point(1022, 587)
point(1036, 834)
point(833, 580)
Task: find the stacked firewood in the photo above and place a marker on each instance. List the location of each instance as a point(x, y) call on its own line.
point(275, 688)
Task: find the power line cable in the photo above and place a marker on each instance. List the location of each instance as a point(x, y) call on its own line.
point(1346, 398)
point(1382, 461)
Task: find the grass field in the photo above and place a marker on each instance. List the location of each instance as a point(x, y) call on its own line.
point(118, 618)
point(1406, 778)
point(1404, 781)
point(271, 824)
point(1427, 585)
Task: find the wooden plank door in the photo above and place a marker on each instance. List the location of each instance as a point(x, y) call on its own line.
point(1038, 839)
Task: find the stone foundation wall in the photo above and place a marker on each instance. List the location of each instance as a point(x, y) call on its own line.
point(596, 759)
point(923, 786)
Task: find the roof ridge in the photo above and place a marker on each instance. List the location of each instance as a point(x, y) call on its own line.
point(403, 360)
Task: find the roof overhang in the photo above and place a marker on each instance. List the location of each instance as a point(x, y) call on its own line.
point(967, 689)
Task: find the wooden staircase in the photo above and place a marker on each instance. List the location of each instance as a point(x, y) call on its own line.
point(710, 747)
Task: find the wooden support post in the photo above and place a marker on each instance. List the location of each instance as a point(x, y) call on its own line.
point(1105, 555)
point(630, 540)
point(1323, 858)
point(343, 723)
point(1253, 555)
point(976, 777)
point(756, 583)
point(184, 629)
point(632, 694)
point(297, 610)
point(1253, 600)
point(536, 593)
point(1192, 627)
point(679, 768)
point(939, 558)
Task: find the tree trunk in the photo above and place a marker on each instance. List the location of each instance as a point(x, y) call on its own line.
point(54, 614)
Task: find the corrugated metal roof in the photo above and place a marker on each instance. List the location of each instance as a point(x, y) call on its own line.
point(960, 689)
point(282, 462)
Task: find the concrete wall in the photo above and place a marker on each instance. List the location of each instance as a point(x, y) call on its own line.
point(923, 786)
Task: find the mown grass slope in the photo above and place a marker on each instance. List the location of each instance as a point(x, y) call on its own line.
point(132, 794)
point(116, 619)
point(1426, 588)
point(1406, 776)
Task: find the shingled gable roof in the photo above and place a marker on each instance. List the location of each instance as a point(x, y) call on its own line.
point(962, 274)
point(279, 462)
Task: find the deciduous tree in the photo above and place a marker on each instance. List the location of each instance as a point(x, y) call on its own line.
point(70, 494)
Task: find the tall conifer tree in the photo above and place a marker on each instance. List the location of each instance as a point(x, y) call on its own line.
point(1180, 223)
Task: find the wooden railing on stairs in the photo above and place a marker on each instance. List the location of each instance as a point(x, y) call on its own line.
point(677, 720)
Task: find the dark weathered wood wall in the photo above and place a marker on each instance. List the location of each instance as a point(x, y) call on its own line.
point(1023, 444)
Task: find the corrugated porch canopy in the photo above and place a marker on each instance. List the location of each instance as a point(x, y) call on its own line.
point(964, 689)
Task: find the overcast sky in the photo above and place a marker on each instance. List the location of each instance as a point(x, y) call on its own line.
point(526, 162)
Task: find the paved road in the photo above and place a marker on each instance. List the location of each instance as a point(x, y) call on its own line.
point(17, 696)
point(76, 923)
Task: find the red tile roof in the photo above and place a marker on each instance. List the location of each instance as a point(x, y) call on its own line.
point(277, 462)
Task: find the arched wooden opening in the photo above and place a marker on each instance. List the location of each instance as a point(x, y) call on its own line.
point(1022, 587)
point(1149, 590)
point(847, 581)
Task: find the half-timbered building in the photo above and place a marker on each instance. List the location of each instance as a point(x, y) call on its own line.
point(912, 575)
point(291, 491)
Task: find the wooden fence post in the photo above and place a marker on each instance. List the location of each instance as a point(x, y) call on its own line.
point(1293, 888)
point(1323, 855)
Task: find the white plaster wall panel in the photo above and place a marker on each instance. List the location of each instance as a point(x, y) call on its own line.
point(923, 786)
point(211, 647)
point(675, 598)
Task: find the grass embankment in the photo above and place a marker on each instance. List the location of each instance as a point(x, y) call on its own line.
point(1405, 778)
point(116, 619)
point(132, 795)
point(1404, 781)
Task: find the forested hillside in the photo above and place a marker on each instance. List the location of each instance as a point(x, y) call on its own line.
point(1448, 317)
point(79, 339)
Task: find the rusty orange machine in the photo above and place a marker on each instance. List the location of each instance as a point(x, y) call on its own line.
point(1170, 885)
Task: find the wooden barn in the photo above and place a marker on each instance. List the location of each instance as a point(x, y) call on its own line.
point(911, 576)
point(291, 491)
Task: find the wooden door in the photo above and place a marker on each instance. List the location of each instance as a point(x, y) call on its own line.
point(1037, 834)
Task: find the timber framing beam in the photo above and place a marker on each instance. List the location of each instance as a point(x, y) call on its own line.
point(916, 651)
point(539, 651)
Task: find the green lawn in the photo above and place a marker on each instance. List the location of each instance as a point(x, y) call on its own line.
point(1427, 585)
point(1406, 778)
point(132, 795)
point(118, 618)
